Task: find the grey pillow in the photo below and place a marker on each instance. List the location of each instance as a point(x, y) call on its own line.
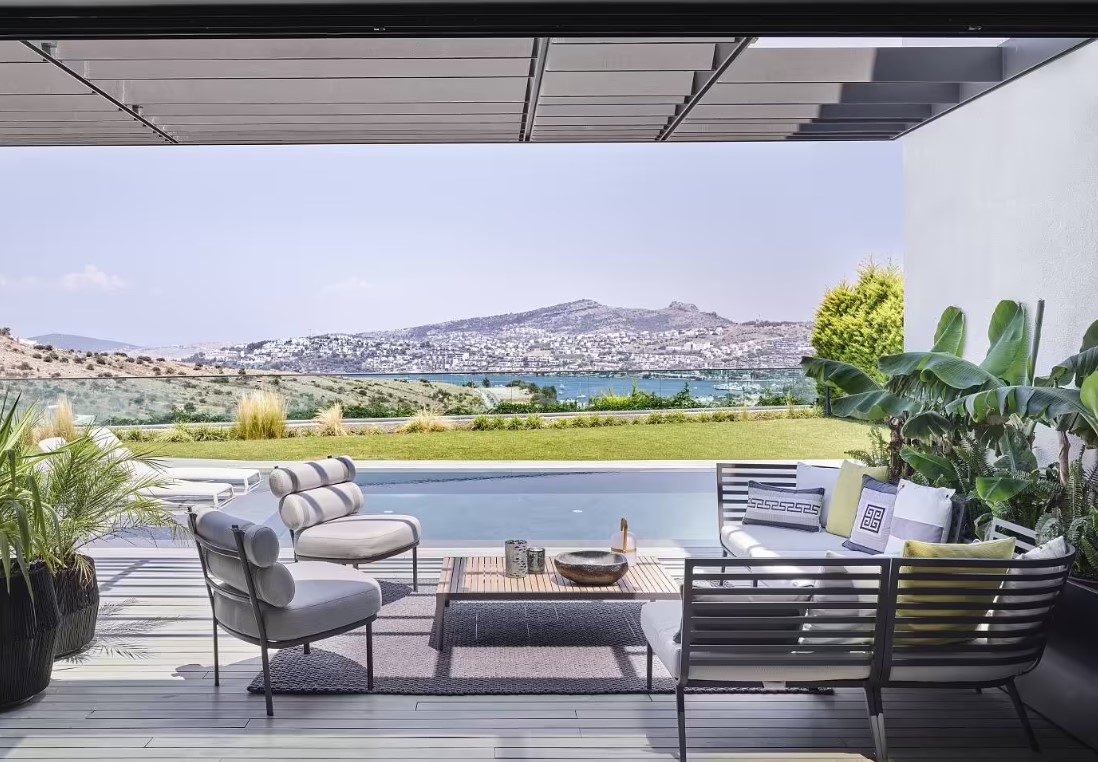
point(787, 507)
point(873, 521)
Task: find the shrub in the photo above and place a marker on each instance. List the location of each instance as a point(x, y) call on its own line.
point(534, 421)
point(859, 324)
point(207, 433)
point(481, 423)
point(261, 414)
point(329, 421)
point(655, 418)
point(425, 421)
point(58, 421)
point(177, 433)
point(515, 423)
point(134, 435)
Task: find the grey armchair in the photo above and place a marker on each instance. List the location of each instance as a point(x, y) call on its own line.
point(263, 602)
point(320, 503)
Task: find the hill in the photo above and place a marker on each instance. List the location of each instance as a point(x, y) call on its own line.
point(82, 343)
point(579, 317)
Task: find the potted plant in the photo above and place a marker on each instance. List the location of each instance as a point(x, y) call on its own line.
point(29, 615)
point(96, 495)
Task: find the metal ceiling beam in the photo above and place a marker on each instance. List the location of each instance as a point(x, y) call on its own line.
point(47, 52)
point(741, 45)
point(533, 89)
point(102, 19)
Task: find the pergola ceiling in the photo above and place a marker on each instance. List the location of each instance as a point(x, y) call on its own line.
point(540, 90)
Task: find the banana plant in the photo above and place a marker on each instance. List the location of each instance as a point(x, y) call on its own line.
point(917, 400)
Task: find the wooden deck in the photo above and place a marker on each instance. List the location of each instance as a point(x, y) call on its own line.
point(146, 692)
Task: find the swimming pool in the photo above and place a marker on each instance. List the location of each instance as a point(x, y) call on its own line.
point(473, 506)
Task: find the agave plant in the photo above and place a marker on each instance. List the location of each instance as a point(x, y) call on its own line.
point(919, 398)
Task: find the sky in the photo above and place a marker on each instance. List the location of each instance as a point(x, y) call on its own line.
point(171, 245)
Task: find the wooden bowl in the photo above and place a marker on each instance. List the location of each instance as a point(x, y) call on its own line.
point(592, 567)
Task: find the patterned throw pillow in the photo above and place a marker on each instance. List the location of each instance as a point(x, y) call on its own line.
point(873, 520)
point(784, 506)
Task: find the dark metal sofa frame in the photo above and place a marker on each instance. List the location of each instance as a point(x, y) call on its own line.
point(716, 634)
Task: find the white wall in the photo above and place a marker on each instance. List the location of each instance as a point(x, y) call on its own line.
point(1002, 203)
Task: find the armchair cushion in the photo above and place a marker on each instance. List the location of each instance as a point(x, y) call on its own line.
point(260, 542)
point(327, 597)
point(299, 477)
point(361, 536)
point(300, 510)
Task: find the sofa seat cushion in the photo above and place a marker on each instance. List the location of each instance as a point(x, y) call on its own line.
point(358, 537)
point(761, 541)
point(660, 621)
point(326, 597)
point(968, 668)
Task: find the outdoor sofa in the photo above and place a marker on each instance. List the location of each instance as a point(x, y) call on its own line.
point(789, 607)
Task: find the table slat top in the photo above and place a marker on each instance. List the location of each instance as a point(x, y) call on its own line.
point(483, 577)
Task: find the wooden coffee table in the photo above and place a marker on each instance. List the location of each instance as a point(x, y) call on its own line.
point(481, 578)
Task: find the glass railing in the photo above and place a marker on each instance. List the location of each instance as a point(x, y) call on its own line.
point(198, 398)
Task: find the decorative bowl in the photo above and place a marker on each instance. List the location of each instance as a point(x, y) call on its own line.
point(592, 567)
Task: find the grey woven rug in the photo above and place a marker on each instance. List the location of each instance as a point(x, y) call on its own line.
point(510, 647)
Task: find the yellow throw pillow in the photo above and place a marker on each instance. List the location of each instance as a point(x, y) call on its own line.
point(998, 550)
point(847, 492)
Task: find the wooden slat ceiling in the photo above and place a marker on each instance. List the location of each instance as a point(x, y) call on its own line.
point(474, 90)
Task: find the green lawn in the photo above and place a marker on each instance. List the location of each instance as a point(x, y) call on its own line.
point(778, 439)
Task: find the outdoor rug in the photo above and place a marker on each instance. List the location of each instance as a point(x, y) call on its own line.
point(507, 647)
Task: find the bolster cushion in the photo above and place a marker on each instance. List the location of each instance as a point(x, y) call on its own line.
point(300, 510)
point(260, 542)
point(299, 477)
point(274, 584)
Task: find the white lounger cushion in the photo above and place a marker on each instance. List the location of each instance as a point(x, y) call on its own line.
point(326, 597)
point(360, 536)
point(246, 476)
point(761, 541)
point(660, 621)
point(176, 489)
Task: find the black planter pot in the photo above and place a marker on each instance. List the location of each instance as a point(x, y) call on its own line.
point(1064, 687)
point(28, 634)
point(78, 599)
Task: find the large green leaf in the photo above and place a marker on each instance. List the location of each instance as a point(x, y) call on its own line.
point(872, 406)
point(1008, 356)
point(1077, 368)
point(1090, 338)
point(1045, 404)
point(928, 425)
point(844, 377)
point(950, 336)
point(1016, 450)
point(999, 489)
point(935, 375)
point(935, 468)
point(1088, 395)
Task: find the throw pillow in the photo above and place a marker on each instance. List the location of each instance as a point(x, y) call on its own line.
point(818, 477)
point(847, 493)
point(1001, 621)
point(908, 619)
point(921, 513)
point(786, 507)
point(874, 517)
point(861, 591)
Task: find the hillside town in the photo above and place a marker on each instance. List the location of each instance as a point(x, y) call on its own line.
point(527, 349)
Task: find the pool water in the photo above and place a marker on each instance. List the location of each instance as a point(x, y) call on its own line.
point(544, 507)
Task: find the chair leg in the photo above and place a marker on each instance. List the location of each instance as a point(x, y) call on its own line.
point(875, 705)
point(415, 569)
point(217, 667)
point(1020, 708)
point(649, 659)
point(680, 709)
point(267, 680)
point(369, 656)
point(306, 649)
point(724, 554)
point(980, 690)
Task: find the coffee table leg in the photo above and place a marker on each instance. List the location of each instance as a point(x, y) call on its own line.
point(440, 621)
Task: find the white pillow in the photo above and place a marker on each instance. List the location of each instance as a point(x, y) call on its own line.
point(1000, 622)
point(818, 477)
point(920, 513)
